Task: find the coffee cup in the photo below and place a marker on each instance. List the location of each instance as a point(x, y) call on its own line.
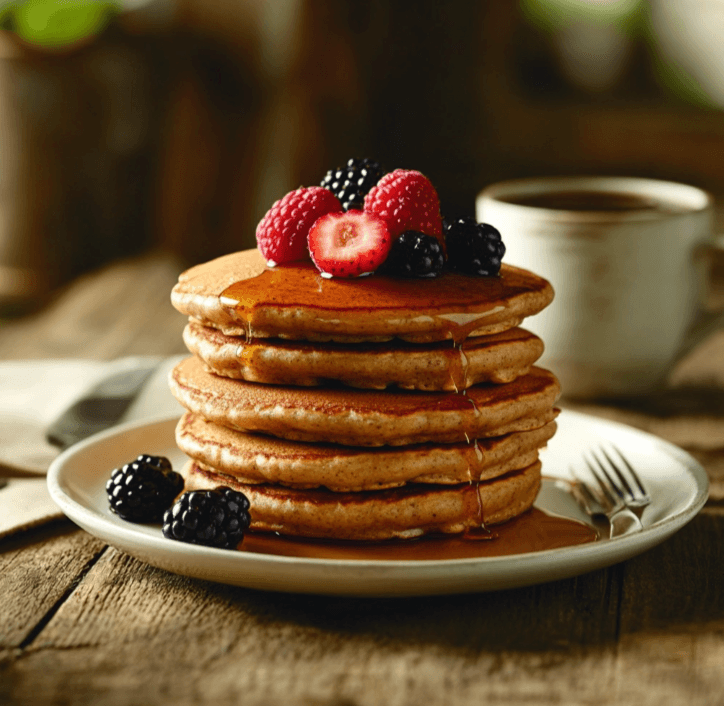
point(627, 258)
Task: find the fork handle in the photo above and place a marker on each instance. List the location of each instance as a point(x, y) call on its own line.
point(624, 522)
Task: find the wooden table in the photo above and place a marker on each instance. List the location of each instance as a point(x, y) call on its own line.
point(83, 623)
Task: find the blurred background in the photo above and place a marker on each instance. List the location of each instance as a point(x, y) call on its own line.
point(138, 125)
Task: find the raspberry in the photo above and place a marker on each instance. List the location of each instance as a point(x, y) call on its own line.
point(415, 254)
point(474, 248)
point(407, 201)
point(214, 518)
point(282, 234)
point(143, 489)
point(351, 183)
point(349, 244)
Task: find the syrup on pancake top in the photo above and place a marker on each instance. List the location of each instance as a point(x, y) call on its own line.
point(308, 278)
point(362, 260)
point(239, 295)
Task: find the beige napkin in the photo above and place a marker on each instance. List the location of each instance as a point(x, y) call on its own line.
point(32, 395)
point(25, 503)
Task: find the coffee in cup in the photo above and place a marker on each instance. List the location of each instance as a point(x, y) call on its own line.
point(626, 259)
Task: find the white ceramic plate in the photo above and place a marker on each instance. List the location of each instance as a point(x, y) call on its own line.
point(677, 483)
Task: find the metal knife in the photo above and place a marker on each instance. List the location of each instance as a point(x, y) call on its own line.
point(100, 408)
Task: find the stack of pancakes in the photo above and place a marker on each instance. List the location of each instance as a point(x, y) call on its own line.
point(363, 409)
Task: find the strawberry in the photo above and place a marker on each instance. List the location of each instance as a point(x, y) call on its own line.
point(282, 234)
point(407, 201)
point(349, 244)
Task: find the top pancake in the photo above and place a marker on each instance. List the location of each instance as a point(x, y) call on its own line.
point(239, 295)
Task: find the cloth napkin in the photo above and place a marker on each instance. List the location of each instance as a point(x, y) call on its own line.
point(32, 395)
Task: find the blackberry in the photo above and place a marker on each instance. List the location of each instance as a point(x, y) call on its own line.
point(351, 183)
point(474, 248)
point(415, 254)
point(141, 491)
point(214, 518)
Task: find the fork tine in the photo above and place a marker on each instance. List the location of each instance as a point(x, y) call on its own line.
point(605, 489)
point(586, 490)
point(588, 495)
point(582, 493)
point(618, 473)
point(633, 473)
point(611, 486)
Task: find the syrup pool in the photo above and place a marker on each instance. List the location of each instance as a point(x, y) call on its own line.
point(533, 531)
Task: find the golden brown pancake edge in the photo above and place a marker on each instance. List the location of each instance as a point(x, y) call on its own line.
point(366, 417)
point(256, 458)
point(344, 310)
point(405, 513)
point(498, 358)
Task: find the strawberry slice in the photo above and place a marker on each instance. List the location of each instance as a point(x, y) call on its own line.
point(349, 244)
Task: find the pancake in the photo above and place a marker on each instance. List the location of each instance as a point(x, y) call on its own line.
point(405, 512)
point(239, 295)
point(255, 458)
point(499, 358)
point(365, 417)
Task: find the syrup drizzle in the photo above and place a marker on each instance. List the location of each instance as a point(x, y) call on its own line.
point(243, 299)
point(449, 309)
point(478, 453)
point(458, 367)
point(459, 377)
point(479, 530)
point(299, 284)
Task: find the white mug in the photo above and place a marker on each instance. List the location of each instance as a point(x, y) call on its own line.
point(626, 258)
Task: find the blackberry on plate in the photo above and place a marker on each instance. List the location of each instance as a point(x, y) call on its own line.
point(351, 183)
point(474, 248)
point(214, 518)
point(415, 254)
point(142, 490)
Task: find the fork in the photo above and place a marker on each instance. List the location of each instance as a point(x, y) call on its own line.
point(622, 502)
point(634, 495)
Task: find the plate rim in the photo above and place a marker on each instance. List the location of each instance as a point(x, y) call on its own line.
point(604, 552)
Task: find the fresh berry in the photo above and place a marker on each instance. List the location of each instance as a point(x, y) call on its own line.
point(407, 201)
point(415, 254)
point(282, 234)
point(349, 244)
point(474, 248)
point(142, 490)
point(214, 518)
point(351, 183)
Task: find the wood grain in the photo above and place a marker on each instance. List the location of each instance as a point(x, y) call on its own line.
point(129, 633)
point(150, 636)
point(83, 623)
point(37, 570)
point(123, 309)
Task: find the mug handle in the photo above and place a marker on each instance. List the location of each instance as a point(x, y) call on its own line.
point(707, 322)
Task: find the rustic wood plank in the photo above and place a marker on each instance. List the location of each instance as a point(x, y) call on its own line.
point(37, 568)
point(677, 665)
point(673, 585)
point(149, 636)
point(672, 618)
point(123, 309)
point(130, 633)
